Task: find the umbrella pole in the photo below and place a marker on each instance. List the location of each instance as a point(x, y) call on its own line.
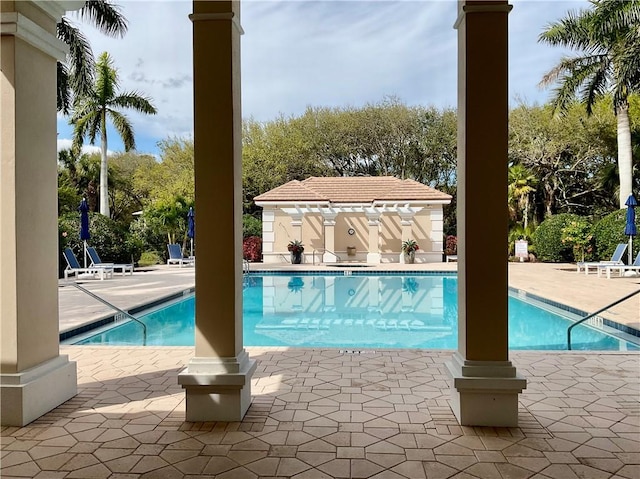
point(85, 253)
point(191, 246)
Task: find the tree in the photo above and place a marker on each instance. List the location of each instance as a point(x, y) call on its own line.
point(522, 183)
point(95, 107)
point(76, 75)
point(608, 40)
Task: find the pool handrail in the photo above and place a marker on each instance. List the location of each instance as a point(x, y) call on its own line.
point(324, 250)
point(113, 306)
point(596, 313)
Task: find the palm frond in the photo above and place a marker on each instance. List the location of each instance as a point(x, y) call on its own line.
point(135, 101)
point(105, 16)
point(63, 97)
point(80, 56)
point(106, 78)
point(570, 32)
point(124, 128)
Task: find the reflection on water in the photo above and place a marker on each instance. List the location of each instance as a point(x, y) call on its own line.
point(367, 311)
point(357, 312)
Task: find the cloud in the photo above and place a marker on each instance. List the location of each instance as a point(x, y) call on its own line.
point(318, 53)
point(65, 144)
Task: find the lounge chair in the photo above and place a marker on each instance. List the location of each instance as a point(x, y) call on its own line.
point(96, 261)
point(176, 257)
point(620, 268)
point(73, 267)
point(616, 259)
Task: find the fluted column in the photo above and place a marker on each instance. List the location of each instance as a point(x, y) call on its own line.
point(218, 379)
point(406, 222)
point(485, 384)
point(34, 377)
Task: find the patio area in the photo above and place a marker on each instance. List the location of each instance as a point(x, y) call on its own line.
point(322, 413)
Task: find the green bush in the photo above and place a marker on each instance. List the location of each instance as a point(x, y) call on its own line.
point(109, 238)
point(251, 226)
point(609, 231)
point(149, 258)
point(547, 239)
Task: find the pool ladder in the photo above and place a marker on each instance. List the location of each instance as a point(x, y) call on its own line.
point(120, 312)
point(593, 315)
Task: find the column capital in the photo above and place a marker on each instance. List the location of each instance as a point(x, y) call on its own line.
point(18, 25)
point(480, 7)
point(224, 16)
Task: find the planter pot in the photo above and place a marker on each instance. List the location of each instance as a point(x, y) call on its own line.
point(410, 257)
point(296, 258)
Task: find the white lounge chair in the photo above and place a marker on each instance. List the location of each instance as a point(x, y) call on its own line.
point(176, 257)
point(96, 261)
point(616, 259)
point(73, 267)
point(620, 268)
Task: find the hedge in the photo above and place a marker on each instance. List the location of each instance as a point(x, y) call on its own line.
point(547, 239)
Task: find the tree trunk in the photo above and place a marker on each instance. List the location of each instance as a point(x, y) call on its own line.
point(104, 170)
point(625, 167)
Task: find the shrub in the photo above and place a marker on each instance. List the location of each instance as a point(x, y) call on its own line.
point(578, 234)
point(149, 258)
point(451, 245)
point(251, 226)
point(609, 231)
point(547, 239)
point(252, 248)
point(108, 237)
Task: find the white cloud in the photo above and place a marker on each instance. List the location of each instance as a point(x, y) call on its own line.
point(65, 144)
point(318, 53)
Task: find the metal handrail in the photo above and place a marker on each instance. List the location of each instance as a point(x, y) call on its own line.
point(324, 250)
point(596, 313)
point(246, 268)
point(113, 306)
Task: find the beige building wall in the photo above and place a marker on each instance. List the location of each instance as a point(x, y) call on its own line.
point(279, 231)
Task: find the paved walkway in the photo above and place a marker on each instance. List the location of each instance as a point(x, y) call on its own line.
point(322, 413)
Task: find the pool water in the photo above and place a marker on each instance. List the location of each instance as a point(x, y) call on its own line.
point(358, 311)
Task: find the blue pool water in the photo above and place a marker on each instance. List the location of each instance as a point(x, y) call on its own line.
point(358, 311)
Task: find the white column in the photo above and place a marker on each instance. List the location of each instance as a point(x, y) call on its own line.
point(373, 253)
point(485, 385)
point(218, 379)
point(268, 236)
point(436, 235)
point(329, 224)
point(34, 377)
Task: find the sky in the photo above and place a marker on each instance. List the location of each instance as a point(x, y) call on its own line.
point(304, 53)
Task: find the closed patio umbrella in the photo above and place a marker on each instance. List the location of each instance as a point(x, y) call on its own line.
point(630, 227)
point(84, 226)
point(191, 226)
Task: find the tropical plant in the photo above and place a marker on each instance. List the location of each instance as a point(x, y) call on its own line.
point(578, 233)
point(522, 183)
point(451, 245)
point(76, 75)
point(101, 103)
point(409, 246)
point(608, 39)
point(295, 246)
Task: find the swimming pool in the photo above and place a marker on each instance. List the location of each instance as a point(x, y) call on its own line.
point(358, 310)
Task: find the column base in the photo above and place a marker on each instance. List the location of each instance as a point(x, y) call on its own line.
point(484, 393)
point(27, 395)
point(218, 389)
point(374, 258)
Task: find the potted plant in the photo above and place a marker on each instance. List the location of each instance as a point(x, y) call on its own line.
point(296, 248)
point(409, 248)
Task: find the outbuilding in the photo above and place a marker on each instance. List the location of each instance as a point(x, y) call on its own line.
point(356, 219)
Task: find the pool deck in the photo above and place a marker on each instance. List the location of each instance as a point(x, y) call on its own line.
point(321, 413)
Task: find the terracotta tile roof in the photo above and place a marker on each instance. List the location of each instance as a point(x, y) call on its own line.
point(354, 189)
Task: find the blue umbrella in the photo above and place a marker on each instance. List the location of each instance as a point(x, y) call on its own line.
point(84, 226)
point(191, 226)
point(630, 227)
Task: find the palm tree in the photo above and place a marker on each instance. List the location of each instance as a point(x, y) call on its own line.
point(77, 74)
point(521, 184)
point(95, 107)
point(608, 40)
